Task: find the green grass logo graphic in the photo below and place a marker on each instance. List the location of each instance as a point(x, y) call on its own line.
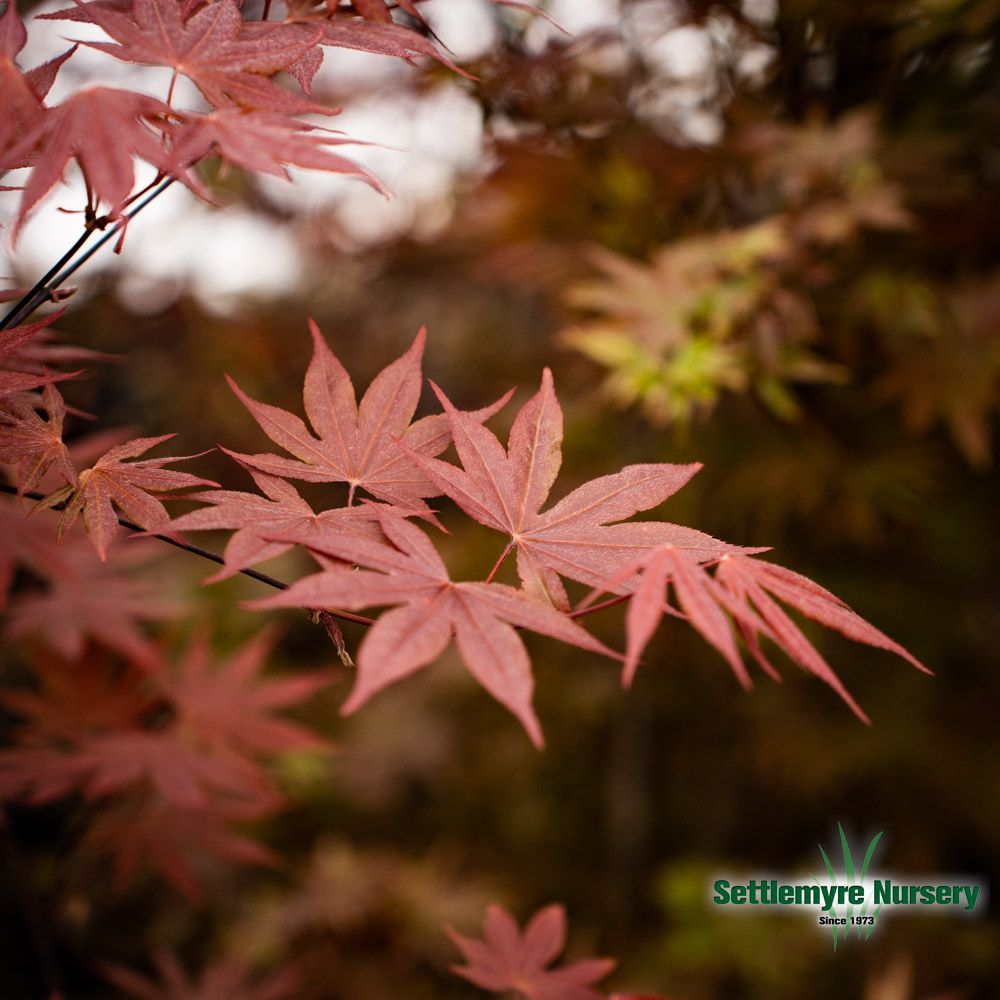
point(851, 876)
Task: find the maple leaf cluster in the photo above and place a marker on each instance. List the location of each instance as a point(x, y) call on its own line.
point(31, 442)
point(374, 554)
point(173, 755)
point(252, 120)
point(171, 758)
point(172, 752)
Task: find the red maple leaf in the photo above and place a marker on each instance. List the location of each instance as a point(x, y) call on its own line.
point(504, 490)
point(103, 129)
point(43, 351)
point(13, 343)
point(21, 94)
point(104, 763)
point(429, 610)
point(357, 443)
point(755, 583)
point(741, 594)
point(111, 482)
point(228, 64)
point(256, 520)
point(77, 697)
point(83, 598)
point(380, 36)
point(228, 708)
point(509, 960)
point(145, 831)
point(263, 143)
point(24, 541)
point(700, 597)
point(17, 338)
point(32, 444)
point(224, 979)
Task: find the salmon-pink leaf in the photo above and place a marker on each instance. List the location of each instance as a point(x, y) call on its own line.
point(357, 443)
point(756, 583)
point(507, 960)
point(228, 64)
point(256, 520)
point(505, 489)
point(112, 482)
point(264, 143)
point(103, 129)
point(429, 610)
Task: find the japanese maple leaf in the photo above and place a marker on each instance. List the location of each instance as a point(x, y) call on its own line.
point(224, 714)
point(103, 129)
point(756, 583)
point(509, 960)
point(380, 11)
point(44, 351)
point(21, 94)
point(85, 598)
point(32, 444)
point(263, 143)
point(504, 489)
point(79, 696)
point(741, 590)
point(225, 979)
point(105, 764)
point(142, 831)
point(13, 342)
point(16, 338)
point(393, 40)
point(229, 66)
point(21, 540)
point(256, 519)
point(112, 482)
point(429, 610)
point(227, 707)
point(702, 601)
point(356, 443)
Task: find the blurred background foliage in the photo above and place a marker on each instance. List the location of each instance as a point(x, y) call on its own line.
point(758, 235)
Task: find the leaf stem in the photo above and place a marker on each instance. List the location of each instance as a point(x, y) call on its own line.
point(55, 277)
point(499, 562)
point(197, 550)
point(611, 602)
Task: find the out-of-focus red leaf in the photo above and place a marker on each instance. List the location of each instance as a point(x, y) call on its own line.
point(509, 960)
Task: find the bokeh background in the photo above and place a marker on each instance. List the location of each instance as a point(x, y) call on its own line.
point(758, 235)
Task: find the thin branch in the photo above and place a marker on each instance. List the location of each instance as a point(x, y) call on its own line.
point(18, 311)
point(197, 550)
point(43, 290)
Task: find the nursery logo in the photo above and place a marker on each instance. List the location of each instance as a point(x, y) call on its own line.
point(851, 898)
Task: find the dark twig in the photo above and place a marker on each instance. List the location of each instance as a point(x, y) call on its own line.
point(20, 308)
point(54, 278)
point(197, 550)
